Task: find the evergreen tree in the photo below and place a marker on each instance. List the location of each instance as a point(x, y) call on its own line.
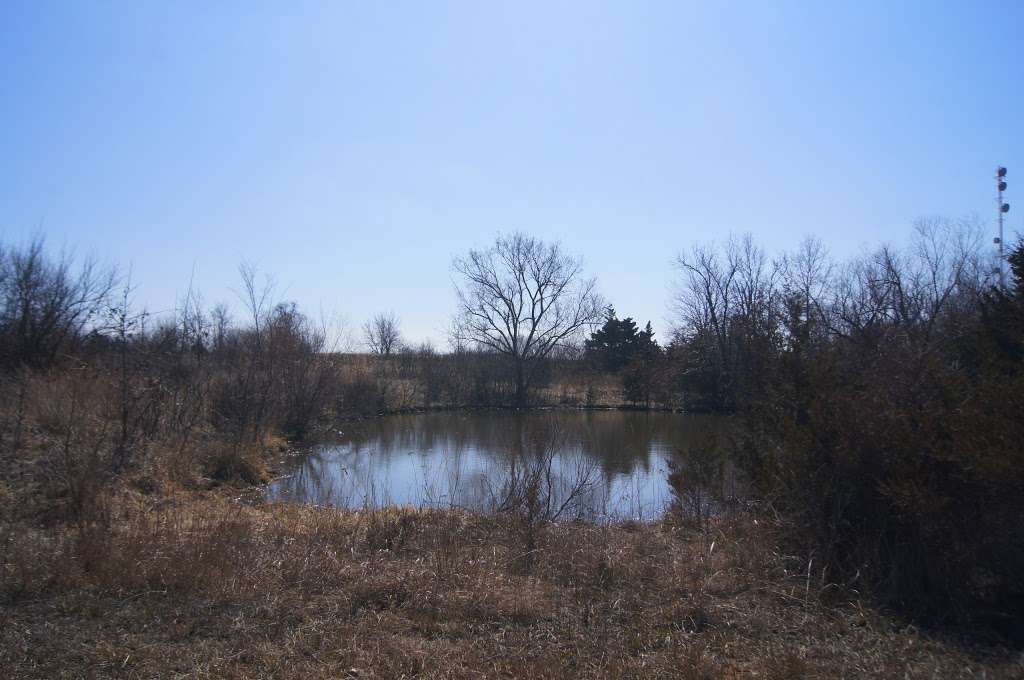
point(648, 346)
point(615, 343)
point(642, 377)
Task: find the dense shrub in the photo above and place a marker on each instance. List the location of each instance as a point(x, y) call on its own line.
point(882, 403)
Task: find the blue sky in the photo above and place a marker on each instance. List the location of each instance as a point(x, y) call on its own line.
point(352, 149)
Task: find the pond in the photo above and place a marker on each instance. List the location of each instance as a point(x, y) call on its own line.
point(565, 463)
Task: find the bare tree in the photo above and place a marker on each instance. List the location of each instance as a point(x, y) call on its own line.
point(522, 298)
point(705, 306)
point(220, 322)
point(806, 278)
point(726, 306)
point(892, 294)
point(382, 333)
point(47, 306)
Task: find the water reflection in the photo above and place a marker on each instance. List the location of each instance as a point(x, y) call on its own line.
point(608, 463)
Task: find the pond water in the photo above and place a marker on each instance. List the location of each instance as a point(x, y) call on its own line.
point(590, 464)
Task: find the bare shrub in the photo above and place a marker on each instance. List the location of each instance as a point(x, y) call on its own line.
point(876, 409)
point(71, 409)
point(47, 305)
point(542, 483)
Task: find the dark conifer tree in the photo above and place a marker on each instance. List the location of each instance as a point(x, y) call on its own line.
point(612, 346)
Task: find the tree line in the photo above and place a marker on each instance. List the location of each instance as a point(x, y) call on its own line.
point(880, 404)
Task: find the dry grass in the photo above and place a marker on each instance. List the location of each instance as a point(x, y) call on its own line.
point(164, 573)
point(214, 588)
point(589, 390)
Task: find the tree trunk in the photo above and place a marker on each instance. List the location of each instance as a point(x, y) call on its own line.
point(520, 398)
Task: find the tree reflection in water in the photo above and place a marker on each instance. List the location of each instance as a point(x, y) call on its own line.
point(472, 459)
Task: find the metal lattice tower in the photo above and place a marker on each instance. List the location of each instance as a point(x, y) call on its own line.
point(1003, 208)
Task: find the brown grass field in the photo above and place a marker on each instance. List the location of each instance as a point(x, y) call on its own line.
point(173, 570)
point(211, 586)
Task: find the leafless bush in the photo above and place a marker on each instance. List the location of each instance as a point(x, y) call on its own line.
point(47, 305)
point(542, 483)
point(273, 373)
point(876, 407)
point(71, 410)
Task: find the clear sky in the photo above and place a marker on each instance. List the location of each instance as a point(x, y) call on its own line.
point(351, 149)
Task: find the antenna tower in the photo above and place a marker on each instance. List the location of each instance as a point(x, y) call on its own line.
point(1003, 209)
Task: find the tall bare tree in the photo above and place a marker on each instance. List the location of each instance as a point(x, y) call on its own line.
point(725, 305)
point(522, 298)
point(382, 333)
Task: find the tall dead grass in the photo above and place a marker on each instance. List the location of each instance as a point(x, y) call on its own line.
point(218, 589)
